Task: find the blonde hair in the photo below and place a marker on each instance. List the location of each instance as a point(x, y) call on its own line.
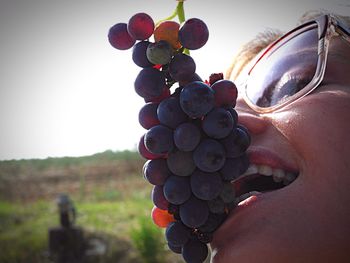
point(249, 50)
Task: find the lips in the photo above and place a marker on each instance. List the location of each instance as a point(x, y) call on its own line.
point(270, 171)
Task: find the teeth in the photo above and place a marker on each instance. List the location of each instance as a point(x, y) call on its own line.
point(252, 169)
point(265, 170)
point(278, 175)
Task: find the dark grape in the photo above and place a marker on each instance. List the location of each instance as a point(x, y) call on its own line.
point(196, 99)
point(204, 237)
point(234, 115)
point(206, 186)
point(181, 163)
point(156, 171)
point(159, 139)
point(244, 164)
point(149, 83)
point(177, 234)
point(148, 115)
point(228, 193)
point(182, 67)
point(165, 94)
point(209, 156)
point(187, 136)
point(146, 153)
point(158, 197)
point(213, 222)
point(195, 77)
point(119, 37)
point(194, 212)
point(140, 26)
point(170, 113)
point(231, 169)
point(216, 205)
point(139, 54)
point(236, 143)
point(225, 93)
point(175, 249)
point(159, 52)
point(177, 189)
point(218, 123)
point(193, 34)
point(194, 251)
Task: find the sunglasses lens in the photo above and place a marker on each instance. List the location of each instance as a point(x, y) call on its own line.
point(284, 69)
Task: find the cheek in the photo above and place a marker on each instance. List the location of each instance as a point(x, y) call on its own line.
point(318, 128)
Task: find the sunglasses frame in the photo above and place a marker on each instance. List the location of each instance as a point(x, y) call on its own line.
point(328, 26)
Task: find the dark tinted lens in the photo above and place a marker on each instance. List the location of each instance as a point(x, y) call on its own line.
point(285, 69)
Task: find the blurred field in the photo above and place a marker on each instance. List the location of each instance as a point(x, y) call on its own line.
point(111, 197)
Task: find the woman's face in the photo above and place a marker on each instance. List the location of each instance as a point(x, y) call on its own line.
point(308, 220)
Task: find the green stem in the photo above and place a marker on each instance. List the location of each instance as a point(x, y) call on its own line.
point(180, 12)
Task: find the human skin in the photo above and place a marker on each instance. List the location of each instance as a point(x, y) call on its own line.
point(308, 220)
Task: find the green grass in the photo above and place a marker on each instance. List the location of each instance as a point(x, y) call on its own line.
point(112, 201)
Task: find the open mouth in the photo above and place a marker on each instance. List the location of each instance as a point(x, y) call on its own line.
point(260, 179)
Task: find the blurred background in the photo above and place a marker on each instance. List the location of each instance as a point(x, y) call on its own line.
point(69, 115)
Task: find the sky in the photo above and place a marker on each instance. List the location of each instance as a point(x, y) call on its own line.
point(64, 91)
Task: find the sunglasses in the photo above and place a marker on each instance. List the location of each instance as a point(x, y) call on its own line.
point(292, 66)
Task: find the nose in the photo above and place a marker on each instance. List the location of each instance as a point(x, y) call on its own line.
point(253, 121)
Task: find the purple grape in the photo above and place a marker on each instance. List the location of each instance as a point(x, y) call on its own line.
point(181, 163)
point(194, 251)
point(216, 205)
point(182, 67)
point(204, 237)
point(225, 93)
point(158, 197)
point(159, 139)
point(231, 169)
point(228, 193)
point(206, 186)
point(170, 113)
point(140, 26)
point(194, 212)
point(146, 153)
point(149, 83)
point(175, 249)
point(177, 189)
point(177, 234)
point(218, 123)
point(148, 115)
point(187, 136)
point(209, 156)
point(156, 171)
point(213, 222)
point(196, 99)
point(244, 163)
point(193, 34)
point(119, 37)
point(139, 54)
point(195, 77)
point(159, 52)
point(236, 143)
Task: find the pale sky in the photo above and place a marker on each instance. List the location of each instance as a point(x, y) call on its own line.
point(64, 91)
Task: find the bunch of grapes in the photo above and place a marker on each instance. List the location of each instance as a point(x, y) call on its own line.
point(193, 145)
